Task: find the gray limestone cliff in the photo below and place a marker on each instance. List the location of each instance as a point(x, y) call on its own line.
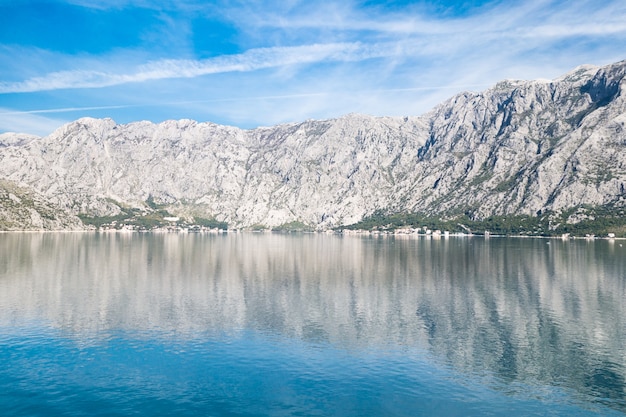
point(521, 147)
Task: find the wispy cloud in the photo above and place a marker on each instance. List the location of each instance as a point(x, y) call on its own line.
point(502, 18)
point(23, 122)
point(240, 99)
point(6, 112)
point(301, 59)
point(251, 60)
point(415, 37)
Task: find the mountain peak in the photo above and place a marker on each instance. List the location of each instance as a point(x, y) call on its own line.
point(521, 147)
point(578, 74)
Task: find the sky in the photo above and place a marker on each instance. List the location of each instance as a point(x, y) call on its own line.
point(260, 63)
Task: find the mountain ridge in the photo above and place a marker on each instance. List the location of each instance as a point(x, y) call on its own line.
point(517, 148)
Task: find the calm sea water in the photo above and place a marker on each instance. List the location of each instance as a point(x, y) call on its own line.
point(304, 325)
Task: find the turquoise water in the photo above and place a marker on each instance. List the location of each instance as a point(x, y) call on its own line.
point(286, 325)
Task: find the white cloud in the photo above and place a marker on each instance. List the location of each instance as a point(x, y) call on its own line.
point(520, 29)
point(251, 60)
point(317, 60)
point(21, 122)
point(578, 17)
point(509, 32)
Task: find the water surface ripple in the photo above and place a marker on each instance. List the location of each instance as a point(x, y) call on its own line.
point(268, 324)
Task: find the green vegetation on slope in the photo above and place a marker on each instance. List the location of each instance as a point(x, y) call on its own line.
point(156, 217)
point(578, 221)
point(295, 226)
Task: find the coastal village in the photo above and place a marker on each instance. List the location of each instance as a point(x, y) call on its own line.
point(178, 225)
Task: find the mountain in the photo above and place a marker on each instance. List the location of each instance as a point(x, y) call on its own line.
point(23, 209)
point(519, 148)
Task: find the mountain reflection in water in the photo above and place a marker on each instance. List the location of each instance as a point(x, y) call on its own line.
point(523, 310)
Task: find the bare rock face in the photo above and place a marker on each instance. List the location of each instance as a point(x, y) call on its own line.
point(521, 147)
point(23, 209)
point(525, 147)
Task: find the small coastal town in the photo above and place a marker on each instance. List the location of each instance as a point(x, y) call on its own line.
point(177, 225)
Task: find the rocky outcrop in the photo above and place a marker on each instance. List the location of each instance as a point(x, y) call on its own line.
point(521, 147)
point(525, 147)
point(24, 209)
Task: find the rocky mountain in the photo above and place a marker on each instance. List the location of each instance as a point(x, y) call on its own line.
point(23, 209)
point(521, 147)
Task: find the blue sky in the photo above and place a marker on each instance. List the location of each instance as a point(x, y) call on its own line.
point(259, 63)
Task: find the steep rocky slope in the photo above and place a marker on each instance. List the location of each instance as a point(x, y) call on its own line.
point(526, 147)
point(23, 209)
point(521, 147)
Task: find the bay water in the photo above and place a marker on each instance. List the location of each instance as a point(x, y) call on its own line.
point(262, 324)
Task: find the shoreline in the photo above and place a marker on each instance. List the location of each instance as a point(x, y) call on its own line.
point(357, 233)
